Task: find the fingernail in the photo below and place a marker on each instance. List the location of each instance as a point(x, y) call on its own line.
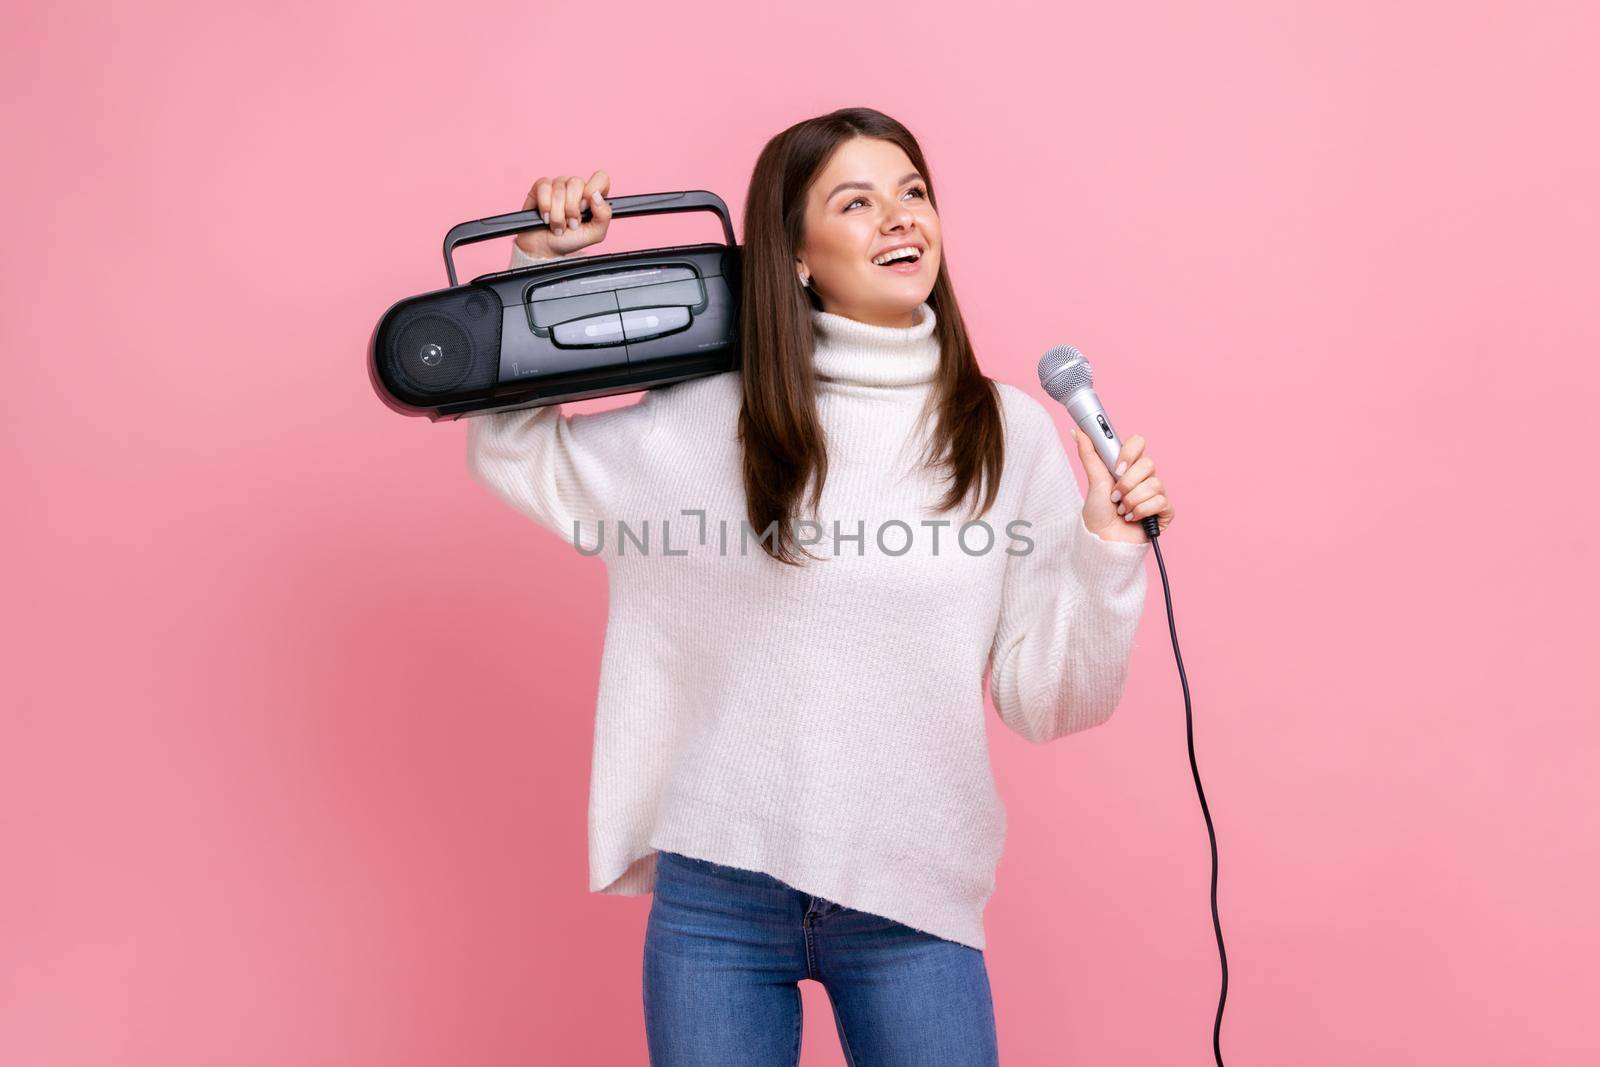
point(1129, 516)
point(1116, 495)
point(1120, 509)
point(1121, 467)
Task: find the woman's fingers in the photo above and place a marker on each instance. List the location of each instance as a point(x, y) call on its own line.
point(541, 197)
point(558, 205)
point(575, 202)
point(1141, 469)
point(596, 188)
point(1132, 449)
point(1133, 480)
point(1152, 506)
point(1140, 493)
point(1136, 491)
point(561, 201)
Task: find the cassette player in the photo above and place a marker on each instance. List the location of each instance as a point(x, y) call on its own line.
point(565, 329)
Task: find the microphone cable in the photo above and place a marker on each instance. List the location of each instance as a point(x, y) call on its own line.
point(1152, 529)
point(1069, 380)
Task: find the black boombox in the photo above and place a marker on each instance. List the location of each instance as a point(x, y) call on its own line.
point(567, 329)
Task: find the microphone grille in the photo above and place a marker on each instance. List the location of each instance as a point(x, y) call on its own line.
point(1063, 371)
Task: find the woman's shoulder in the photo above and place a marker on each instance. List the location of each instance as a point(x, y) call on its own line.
point(1023, 413)
point(697, 406)
point(704, 388)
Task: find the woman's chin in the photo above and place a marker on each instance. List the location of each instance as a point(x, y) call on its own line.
point(904, 302)
point(907, 292)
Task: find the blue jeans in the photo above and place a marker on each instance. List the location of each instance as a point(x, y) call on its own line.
point(724, 952)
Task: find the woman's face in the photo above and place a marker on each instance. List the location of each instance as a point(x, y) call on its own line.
point(867, 200)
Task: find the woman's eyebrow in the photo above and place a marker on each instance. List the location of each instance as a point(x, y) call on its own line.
point(837, 189)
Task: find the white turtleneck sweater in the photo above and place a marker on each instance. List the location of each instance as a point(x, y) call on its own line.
point(826, 724)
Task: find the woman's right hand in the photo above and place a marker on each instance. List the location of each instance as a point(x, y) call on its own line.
point(560, 202)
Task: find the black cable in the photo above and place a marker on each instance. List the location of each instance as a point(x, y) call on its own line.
point(1152, 529)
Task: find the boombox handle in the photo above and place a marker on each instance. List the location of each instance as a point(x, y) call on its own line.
point(644, 204)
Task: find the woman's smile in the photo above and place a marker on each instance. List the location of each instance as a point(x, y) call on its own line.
point(905, 265)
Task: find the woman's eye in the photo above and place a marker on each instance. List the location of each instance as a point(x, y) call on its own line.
point(919, 190)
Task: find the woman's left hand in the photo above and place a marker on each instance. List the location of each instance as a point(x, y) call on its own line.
point(1116, 504)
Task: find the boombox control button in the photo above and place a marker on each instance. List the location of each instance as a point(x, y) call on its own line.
point(594, 330)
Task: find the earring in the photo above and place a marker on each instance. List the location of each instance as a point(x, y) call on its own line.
point(805, 280)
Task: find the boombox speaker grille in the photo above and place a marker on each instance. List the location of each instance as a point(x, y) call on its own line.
point(445, 346)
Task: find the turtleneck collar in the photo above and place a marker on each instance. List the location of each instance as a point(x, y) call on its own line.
point(860, 353)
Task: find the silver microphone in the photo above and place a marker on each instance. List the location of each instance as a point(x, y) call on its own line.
point(1067, 377)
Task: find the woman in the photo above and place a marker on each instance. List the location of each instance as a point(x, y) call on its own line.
point(789, 739)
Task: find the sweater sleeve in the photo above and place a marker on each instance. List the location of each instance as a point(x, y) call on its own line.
point(1069, 609)
point(566, 472)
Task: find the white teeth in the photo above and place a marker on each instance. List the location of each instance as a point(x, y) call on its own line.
point(898, 253)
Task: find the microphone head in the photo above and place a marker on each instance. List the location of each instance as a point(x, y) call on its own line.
point(1063, 371)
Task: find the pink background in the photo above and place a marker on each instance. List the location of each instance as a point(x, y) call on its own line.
point(295, 752)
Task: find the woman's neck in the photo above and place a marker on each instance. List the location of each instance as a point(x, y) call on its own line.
point(850, 352)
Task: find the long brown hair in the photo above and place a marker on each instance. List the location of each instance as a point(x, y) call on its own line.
point(784, 445)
